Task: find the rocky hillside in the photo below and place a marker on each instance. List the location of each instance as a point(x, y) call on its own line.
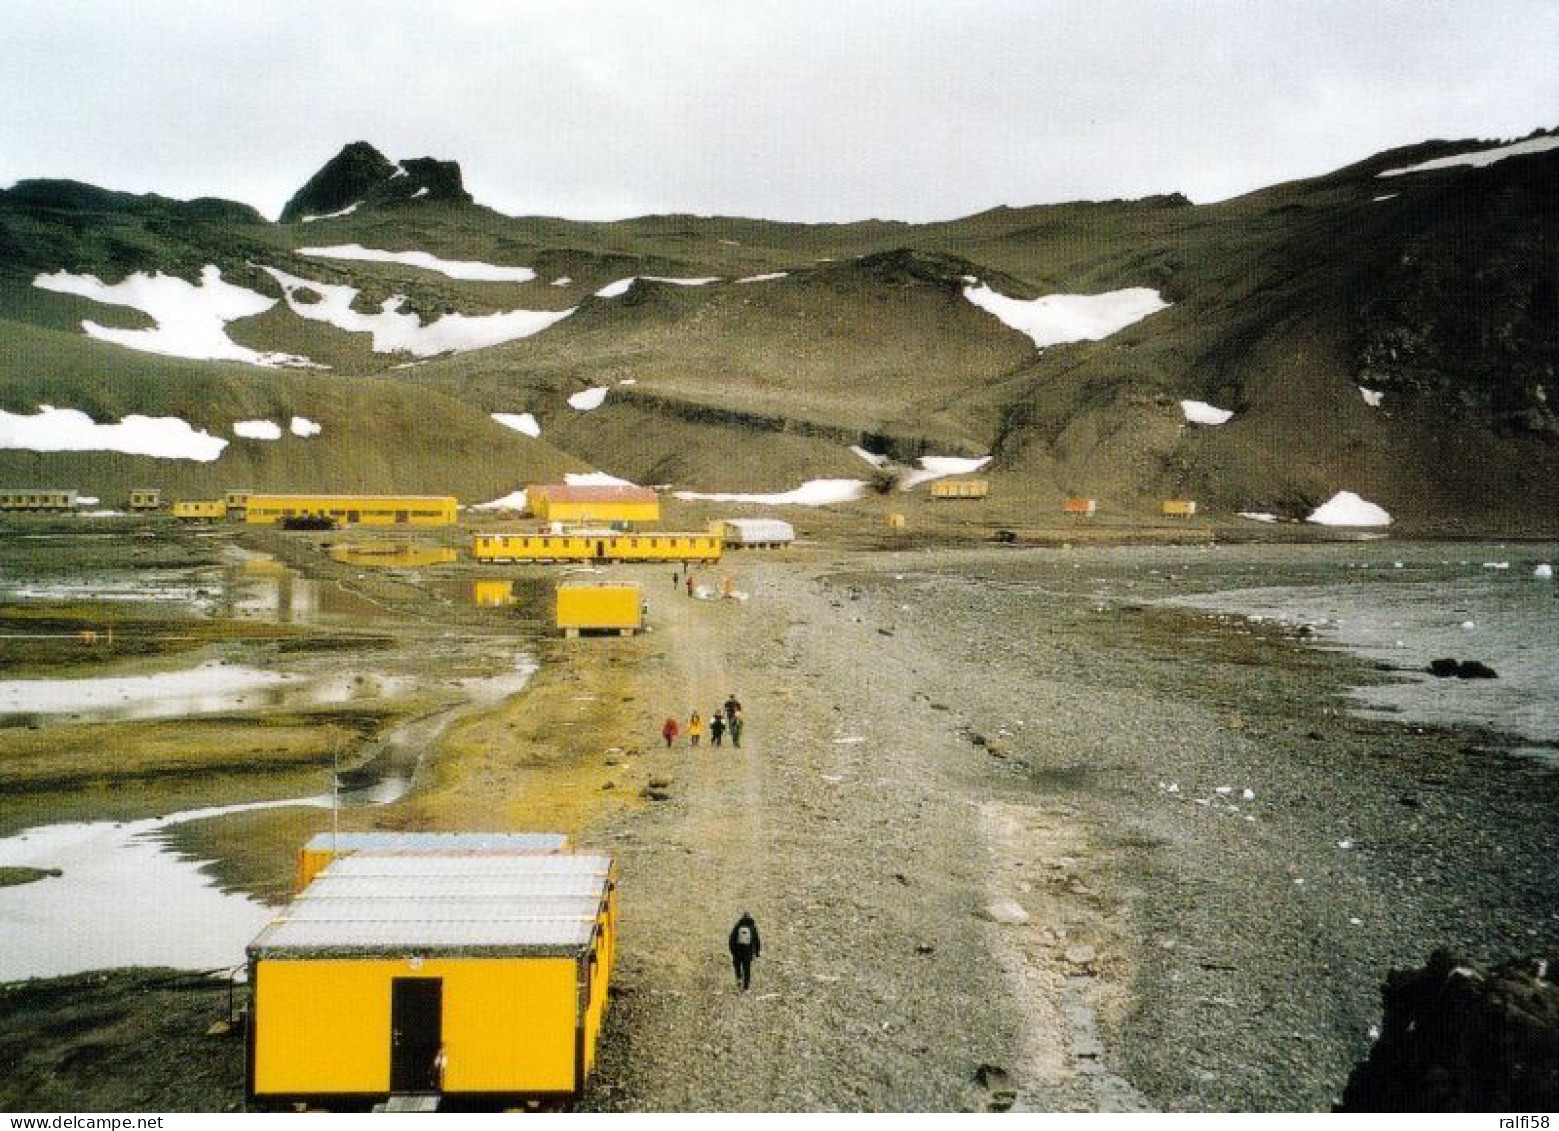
point(1389, 329)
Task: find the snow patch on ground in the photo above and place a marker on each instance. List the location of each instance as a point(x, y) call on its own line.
point(516, 501)
point(940, 467)
point(347, 211)
point(595, 479)
point(588, 399)
point(303, 426)
point(1347, 509)
point(1480, 157)
point(401, 331)
point(1056, 319)
point(1200, 412)
point(191, 319)
point(520, 422)
point(562, 281)
point(813, 493)
point(257, 429)
point(66, 430)
point(1258, 516)
point(764, 278)
point(469, 270)
point(877, 461)
point(620, 287)
point(1372, 397)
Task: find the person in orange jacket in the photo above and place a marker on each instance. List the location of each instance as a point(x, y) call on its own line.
point(669, 730)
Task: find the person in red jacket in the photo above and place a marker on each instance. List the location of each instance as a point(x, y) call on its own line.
point(669, 730)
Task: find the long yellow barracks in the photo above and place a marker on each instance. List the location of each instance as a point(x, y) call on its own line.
point(597, 546)
point(479, 977)
point(365, 510)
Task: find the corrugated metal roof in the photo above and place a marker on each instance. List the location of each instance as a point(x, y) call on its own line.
point(452, 903)
point(762, 529)
point(421, 842)
point(607, 493)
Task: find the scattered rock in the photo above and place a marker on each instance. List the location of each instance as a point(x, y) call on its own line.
point(994, 1079)
point(1006, 911)
point(1458, 1037)
point(1081, 955)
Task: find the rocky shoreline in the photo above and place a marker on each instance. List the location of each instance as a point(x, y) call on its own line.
point(1018, 836)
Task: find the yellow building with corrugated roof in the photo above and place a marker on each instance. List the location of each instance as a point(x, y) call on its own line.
point(465, 974)
point(596, 504)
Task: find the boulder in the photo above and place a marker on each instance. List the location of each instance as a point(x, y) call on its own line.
point(1459, 1037)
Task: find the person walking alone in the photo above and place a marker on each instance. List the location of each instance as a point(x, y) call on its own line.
point(716, 728)
point(695, 729)
point(668, 731)
point(745, 946)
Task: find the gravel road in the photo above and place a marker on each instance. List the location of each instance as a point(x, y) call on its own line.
point(1012, 844)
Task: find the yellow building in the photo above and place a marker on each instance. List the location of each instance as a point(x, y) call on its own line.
point(599, 505)
point(607, 608)
point(599, 546)
point(365, 510)
point(199, 508)
point(145, 498)
point(477, 976)
point(237, 502)
point(36, 499)
point(1179, 508)
point(960, 488)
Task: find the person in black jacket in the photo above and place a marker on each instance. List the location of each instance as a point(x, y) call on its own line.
point(744, 948)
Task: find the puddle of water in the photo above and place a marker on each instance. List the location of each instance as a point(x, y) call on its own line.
point(266, 590)
point(208, 688)
point(157, 586)
point(124, 898)
point(391, 555)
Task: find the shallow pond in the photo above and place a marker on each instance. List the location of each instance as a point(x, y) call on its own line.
point(123, 898)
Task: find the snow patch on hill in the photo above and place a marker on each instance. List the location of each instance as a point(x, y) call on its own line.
point(257, 429)
point(347, 211)
point(1200, 412)
point(469, 270)
point(813, 493)
point(1347, 509)
point(589, 399)
point(1478, 158)
point(1052, 320)
point(67, 430)
point(620, 287)
point(520, 422)
point(191, 319)
point(940, 467)
point(303, 426)
point(396, 330)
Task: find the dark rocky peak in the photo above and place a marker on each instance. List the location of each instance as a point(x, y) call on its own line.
point(361, 176)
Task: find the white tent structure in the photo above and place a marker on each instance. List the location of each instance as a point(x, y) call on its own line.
point(751, 533)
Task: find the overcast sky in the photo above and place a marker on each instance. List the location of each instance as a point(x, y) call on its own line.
point(785, 109)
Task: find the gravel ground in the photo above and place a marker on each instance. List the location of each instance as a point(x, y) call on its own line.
point(937, 742)
point(1015, 835)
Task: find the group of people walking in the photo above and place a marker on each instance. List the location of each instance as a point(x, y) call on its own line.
point(726, 719)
